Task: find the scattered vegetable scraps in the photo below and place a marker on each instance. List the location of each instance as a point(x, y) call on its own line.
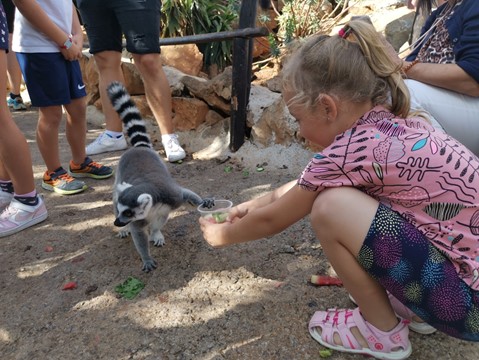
point(70, 286)
point(325, 280)
point(325, 353)
point(228, 169)
point(130, 288)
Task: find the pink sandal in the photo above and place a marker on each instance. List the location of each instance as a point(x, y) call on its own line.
point(403, 311)
point(391, 345)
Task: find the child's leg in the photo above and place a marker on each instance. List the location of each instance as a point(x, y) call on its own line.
point(15, 157)
point(341, 219)
point(76, 128)
point(363, 240)
point(47, 135)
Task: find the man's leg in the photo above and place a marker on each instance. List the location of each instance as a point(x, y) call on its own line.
point(109, 69)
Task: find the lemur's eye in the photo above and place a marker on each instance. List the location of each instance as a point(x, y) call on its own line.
point(128, 213)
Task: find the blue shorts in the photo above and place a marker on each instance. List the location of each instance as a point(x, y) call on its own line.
point(4, 28)
point(106, 21)
point(405, 263)
point(51, 80)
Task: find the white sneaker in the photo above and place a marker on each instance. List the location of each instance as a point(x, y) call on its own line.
point(105, 143)
point(18, 216)
point(173, 149)
point(5, 199)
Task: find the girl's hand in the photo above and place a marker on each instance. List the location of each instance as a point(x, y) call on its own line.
point(236, 213)
point(214, 233)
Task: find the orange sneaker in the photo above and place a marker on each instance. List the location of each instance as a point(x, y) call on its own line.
point(60, 182)
point(91, 169)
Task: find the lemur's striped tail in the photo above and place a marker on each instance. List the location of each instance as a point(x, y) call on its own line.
point(133, 123)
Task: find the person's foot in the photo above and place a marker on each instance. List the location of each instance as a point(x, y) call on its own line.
point(106, 143)
point(174, 151)
point(91, 169)
point(16, 103)
point(18, 216)
point(60, 182)
point(5, 199)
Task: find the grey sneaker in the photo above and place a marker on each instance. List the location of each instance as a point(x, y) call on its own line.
point(173, 149)
point(105, 143)
point(62, 183)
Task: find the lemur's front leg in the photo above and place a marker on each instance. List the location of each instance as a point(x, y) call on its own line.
point(140, 239)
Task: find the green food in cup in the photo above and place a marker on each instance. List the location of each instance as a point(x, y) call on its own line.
point(220, 217)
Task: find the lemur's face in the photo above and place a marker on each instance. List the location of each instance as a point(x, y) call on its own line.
point(132, 212)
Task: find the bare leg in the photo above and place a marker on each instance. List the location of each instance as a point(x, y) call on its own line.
point(47, 135)
point(157, 89)
point(76, 129)
point(109, 69)
point(341, 218)
point(13, 70)
point(15, 158)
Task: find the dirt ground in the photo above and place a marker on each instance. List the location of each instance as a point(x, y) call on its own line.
point(250, 301)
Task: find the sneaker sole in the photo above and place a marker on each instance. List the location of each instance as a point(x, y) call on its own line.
point(106, 150)
point(88, 175)
point(63, 192)
point(25, 225)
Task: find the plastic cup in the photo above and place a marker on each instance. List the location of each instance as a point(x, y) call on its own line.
point(217, 213)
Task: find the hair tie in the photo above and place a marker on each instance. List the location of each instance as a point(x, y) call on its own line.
point(344, 32)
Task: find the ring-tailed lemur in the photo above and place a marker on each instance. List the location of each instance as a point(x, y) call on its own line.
point(144, 192)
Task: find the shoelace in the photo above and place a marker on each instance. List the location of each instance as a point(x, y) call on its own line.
point(65, 177)
point(92, 164)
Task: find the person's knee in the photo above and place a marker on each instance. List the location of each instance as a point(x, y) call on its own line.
point(329, 203)
point(107, 60)
point(148, 63)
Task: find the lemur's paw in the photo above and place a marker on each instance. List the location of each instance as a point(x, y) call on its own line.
point(149, 265)
point(208, 203)
point(123, 233)
point(158, 239)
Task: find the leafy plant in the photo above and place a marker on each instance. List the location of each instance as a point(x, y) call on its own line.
point(192, 17)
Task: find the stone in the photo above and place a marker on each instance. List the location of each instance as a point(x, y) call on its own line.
point(186, 58)
point(189, 113)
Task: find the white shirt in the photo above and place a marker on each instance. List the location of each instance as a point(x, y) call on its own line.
point(28, 39)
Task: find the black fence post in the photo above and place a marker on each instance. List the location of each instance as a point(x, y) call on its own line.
point(241, 67)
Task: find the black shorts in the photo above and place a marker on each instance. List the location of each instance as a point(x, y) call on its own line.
point(3, 25)
point(106, 21)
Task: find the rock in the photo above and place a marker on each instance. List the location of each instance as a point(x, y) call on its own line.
point(186, 58)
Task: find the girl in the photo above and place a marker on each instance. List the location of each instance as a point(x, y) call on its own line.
point(392, 200)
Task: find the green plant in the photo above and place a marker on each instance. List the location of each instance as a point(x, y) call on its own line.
point(192, 17)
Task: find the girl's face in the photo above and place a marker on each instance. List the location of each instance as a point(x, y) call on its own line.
point(314, 123)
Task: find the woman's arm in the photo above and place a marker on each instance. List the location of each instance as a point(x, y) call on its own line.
point(447, 76)
point(263, 221)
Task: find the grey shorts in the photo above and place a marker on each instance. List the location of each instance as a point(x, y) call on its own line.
point(106, 21)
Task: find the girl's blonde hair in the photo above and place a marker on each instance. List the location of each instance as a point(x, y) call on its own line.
point(355, 66)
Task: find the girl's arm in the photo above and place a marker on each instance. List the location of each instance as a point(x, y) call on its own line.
point(261, 222)
point(242, 209)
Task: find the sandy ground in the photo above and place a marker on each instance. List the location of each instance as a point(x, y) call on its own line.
point(250, 301)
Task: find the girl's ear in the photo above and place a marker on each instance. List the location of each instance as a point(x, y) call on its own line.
point(330, 107)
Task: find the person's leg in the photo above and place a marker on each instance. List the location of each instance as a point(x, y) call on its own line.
point(142, 39)
point(49, 119)
point(454, 112)
point(341, 221)
point(105, 38)
point(24, 208)
point(14, 74)
point(373, 248)
point(14, 152)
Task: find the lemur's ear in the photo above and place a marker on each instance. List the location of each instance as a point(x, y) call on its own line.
point(145, 201)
